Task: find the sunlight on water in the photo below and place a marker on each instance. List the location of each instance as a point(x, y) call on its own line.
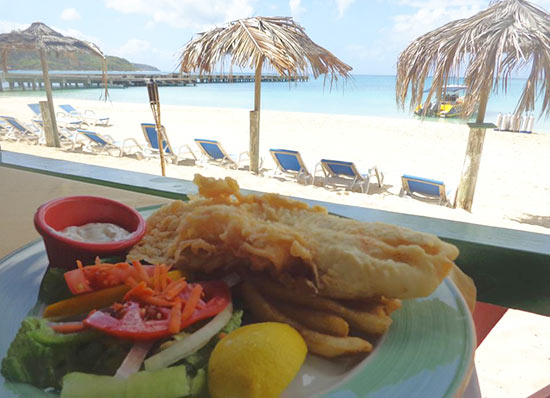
point(361, 95)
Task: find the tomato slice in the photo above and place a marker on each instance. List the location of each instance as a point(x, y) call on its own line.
point(97, 277)
point(135, 321)
point(217, 296)
point(132, 322)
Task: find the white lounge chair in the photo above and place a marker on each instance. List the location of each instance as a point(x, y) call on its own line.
point(152, 147)
point(98, 143)
point(88, 116)
point(19, 131)
point(214, 151)
point(343, 173)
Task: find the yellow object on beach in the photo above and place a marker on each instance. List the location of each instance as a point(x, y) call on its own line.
point(256, 361)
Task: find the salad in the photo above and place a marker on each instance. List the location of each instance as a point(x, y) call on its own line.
point(122, 330)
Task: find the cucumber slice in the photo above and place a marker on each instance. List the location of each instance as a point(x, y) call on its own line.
point(165, 383)
point(84, 385)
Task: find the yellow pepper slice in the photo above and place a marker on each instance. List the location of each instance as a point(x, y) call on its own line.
point(89, 301)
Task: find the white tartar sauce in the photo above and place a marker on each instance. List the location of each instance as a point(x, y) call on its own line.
point(95, 232)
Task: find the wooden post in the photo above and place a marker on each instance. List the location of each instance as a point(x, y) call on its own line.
point(255, 120)
point(470, 169)
point(51, 139)
point(48, 87)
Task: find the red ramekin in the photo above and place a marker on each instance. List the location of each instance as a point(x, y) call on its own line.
point(58, 214)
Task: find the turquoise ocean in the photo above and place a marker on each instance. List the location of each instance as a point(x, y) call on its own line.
point(367, 95)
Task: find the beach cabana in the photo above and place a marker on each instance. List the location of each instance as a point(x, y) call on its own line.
point(40, 37)
point(486, 49)
point(277, 42)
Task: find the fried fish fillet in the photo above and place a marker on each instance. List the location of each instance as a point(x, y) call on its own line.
point(341, 258)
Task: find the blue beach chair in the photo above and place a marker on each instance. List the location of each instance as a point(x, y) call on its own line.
point(61, 118)
point(214, 151)
point(425, 188)
point(88, 116)
point(152, 148)
point(339, 172)
point(290, 163)
point(19, 131)
point(98, 143)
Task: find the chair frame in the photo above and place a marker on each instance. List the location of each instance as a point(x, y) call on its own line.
point(351, 180)
point(150, 151)
point(406, 189)
point(227, 160)
point(302, 174)
point(19, 131)
point(86, 116)
point(94, 146)
point(60, 117)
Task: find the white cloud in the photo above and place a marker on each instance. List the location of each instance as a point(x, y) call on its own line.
point(70, 14)
point(8, 26)
point(296, 8)
point(428, 15)
point(132, 48)
point(342, 6)
point(194, 14)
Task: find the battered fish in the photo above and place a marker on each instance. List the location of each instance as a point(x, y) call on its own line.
point(340, 257)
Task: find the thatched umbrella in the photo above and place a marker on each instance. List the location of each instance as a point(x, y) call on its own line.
point(41, 38)
point(251, 42)
point(490, 47)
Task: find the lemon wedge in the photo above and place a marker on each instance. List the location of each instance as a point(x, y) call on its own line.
point(255, 361)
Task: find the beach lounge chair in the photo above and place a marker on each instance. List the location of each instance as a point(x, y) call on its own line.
point(19, 131)
point(68, 139)
point(152, 147)
point(290, 163)
point(425, 188)
point(339, 172)
point(89, 116)
point(98, 143)
point(61, 118)
point(213, 151)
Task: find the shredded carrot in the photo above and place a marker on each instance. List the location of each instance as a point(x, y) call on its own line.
point(174, 324)
point(163, 277)
point(191, 303)
point(175, 288)
point(156, 279)
point(79, 264)
point(156, 301)
point(139, 291)
point(68, 327)
point(130, 281)
point(141, 272)
point(222, 335)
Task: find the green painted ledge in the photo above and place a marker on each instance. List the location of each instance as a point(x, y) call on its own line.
point(510, 268)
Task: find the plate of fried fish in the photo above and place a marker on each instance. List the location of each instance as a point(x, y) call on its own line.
point(373, 302)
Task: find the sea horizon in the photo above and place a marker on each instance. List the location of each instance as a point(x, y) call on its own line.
point(362, 94)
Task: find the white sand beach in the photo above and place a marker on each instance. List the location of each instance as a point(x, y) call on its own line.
point(513, 189)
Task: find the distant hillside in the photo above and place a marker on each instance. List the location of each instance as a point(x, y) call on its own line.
point(29, 60)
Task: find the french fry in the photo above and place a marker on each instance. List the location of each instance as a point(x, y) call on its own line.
point(375, 322)
point(316, 320)
point(317, 343)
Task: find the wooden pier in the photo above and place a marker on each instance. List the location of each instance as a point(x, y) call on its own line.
point(27, 81)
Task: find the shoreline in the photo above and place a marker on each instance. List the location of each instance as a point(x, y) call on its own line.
point(513, 189)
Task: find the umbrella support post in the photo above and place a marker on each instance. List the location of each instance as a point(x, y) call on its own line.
point(470, 169)
point(53, 123)
point(47, 125)
point(254, 141)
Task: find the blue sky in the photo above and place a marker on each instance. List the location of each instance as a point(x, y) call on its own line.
point(366, 34)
